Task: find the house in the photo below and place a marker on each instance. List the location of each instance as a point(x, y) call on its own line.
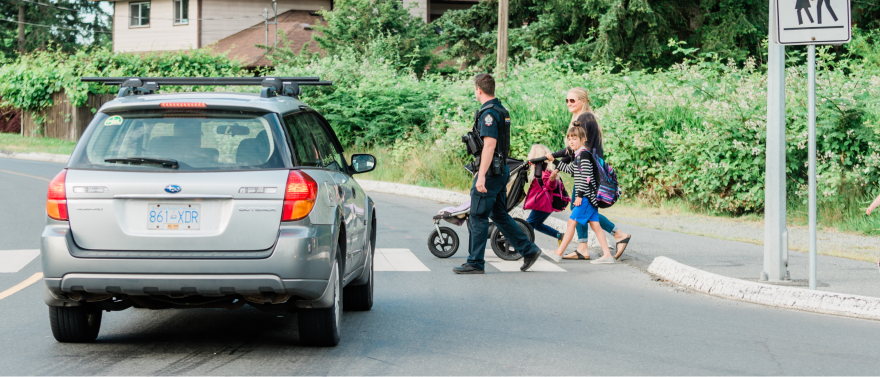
point(231, 25)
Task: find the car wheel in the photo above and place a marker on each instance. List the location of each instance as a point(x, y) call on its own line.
point(360, 297)
point(74, 324)
point(321, 327)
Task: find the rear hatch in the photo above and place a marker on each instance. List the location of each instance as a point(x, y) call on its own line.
point(178, 180)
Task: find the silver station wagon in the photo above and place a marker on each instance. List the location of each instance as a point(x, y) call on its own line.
point(208, 200)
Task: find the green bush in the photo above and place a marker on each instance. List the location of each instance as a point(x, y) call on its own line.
point(29, 81)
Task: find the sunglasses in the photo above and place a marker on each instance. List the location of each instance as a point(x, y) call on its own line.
point(569, 100)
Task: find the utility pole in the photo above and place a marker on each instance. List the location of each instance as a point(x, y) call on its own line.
point(501, 65)
point(21, 29)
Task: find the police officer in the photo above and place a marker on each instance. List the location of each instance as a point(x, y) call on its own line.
point(489, 194)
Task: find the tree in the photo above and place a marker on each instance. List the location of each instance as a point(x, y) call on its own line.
point(358, 25)
point(69, 24)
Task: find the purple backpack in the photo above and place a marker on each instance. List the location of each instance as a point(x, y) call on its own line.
point(608, 190)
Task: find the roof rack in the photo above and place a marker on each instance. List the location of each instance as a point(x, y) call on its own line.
point(272, 86)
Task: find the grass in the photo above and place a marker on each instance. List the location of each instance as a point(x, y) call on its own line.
point(17, 143)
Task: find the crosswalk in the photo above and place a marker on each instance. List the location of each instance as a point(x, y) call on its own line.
point(386, 259)
point(400, 260)
point(12, 261)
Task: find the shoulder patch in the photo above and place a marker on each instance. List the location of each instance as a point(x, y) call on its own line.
point(487, 120)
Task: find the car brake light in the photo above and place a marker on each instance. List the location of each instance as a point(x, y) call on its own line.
point(56, 203)
point(299, 196)
point(182, 104)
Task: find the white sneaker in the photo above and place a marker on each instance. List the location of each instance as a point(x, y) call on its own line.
point(550, 254)
point(608, 260)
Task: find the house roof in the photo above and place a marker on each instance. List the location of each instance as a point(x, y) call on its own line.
point(241, 46)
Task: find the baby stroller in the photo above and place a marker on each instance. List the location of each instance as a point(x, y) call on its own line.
point(443, 241)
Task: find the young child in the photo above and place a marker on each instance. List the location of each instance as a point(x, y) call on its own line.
point(585, 211)
point(539, 198)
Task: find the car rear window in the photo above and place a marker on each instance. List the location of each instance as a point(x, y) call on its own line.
point(182, 140)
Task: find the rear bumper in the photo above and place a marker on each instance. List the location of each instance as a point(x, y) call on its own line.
point(202, 285)
point(299, 264)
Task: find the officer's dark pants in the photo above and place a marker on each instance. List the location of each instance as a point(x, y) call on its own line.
point(493, 204)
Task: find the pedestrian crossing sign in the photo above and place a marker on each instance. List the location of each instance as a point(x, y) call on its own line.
point(805, 22)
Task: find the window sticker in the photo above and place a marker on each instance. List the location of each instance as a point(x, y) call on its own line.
point(113, 121)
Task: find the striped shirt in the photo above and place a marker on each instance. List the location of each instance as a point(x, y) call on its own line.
point(585, 184)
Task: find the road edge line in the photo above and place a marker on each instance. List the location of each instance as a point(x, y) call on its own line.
point(452, 197)
point(44, 157)
point(840, 304)
point(27, 283)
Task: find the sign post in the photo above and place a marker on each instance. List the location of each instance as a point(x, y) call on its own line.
point(774, 189)
point(795, 25)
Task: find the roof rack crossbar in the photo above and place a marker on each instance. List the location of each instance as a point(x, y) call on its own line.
point(196, 81)
point(288, 86)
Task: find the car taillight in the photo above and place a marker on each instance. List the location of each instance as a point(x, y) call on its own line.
point(56, 203)
point(299, 196)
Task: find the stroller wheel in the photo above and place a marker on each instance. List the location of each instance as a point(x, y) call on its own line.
point(502, 248)
point(443, 244)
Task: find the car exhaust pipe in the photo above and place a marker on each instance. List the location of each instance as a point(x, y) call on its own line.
point(268, 298)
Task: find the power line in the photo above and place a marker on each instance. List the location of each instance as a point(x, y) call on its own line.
point(50, 26)
point(47, 5)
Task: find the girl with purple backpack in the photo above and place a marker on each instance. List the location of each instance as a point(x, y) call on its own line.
point(544, 186)
point(585, 204)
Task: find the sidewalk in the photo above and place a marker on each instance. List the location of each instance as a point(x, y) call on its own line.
point(745, 261)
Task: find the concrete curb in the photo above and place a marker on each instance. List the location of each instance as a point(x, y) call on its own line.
point(765, 294)
point(457, 198)
point(44, 157)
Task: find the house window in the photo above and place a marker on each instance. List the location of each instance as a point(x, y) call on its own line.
point(140, 14)
point(181, 12)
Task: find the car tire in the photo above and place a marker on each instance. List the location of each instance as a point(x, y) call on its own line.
point(322, 327)
point(360, 297)
point(74, 324)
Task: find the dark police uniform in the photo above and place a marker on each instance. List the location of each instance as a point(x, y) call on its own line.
point(493, 120)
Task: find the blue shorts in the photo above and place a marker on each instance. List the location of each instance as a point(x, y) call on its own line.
point(584, 213)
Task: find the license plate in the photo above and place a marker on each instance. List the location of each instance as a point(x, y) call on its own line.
point(173, 216)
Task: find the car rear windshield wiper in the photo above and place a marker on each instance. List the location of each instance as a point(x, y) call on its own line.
point(164, 162)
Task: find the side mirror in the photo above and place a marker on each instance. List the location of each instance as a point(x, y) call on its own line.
point(362, 163)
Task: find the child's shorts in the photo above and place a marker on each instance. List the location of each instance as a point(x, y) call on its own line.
point(585, 212)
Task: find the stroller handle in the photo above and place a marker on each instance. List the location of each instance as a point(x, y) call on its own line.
point(537, 160)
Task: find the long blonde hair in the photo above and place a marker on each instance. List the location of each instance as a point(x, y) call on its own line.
point(538, 150)
point(582, 95)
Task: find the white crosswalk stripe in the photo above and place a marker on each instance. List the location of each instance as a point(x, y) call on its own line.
point(12, 261)
point(502, 265)
point(397, 260)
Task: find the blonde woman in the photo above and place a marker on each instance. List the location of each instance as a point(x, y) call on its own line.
point(578, 102)
point(544, 183)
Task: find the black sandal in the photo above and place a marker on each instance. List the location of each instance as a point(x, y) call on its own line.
point(579, 256)
point(624, 241)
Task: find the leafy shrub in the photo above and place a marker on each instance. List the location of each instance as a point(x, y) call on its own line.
point(28, 82)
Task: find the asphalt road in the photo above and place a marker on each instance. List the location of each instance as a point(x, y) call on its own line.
point(585, 319)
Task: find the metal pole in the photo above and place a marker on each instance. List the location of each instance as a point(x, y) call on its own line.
point(811, 83)
point(275, 7)
point(774, 190)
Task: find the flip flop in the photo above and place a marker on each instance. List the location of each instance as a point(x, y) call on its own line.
point(620, 251)
point(575, 255)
